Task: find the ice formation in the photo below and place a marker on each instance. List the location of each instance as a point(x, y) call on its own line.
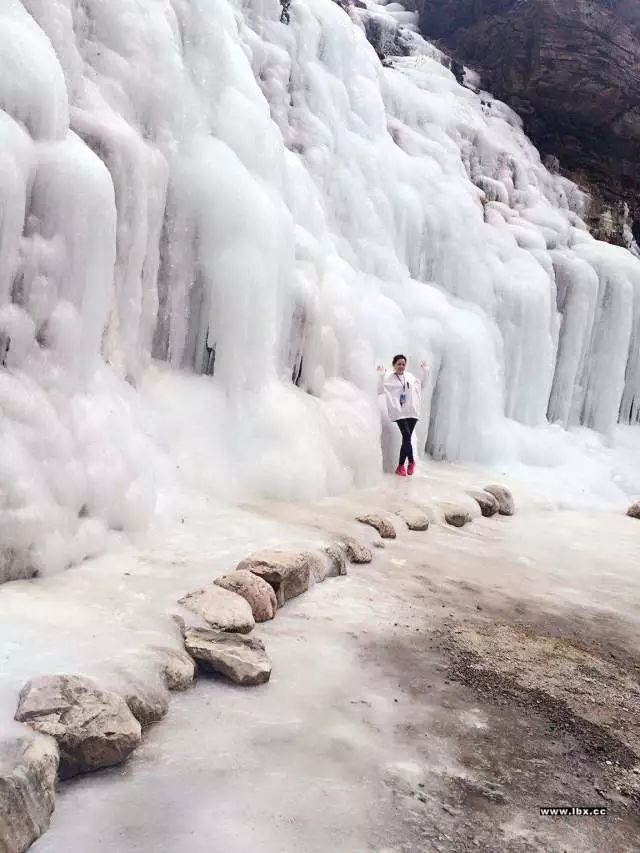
point(194, 182)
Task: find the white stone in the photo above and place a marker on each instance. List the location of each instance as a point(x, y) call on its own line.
point(221, 609)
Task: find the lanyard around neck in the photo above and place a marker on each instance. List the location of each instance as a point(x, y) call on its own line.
point(401, 380)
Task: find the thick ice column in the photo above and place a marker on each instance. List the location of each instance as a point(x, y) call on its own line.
point(604, 368)
point(72, 207)
point(246, 256)
point(16, 169)
point(33, 105)
point(32, 85)
point(524, 311)
point(177, 272)
point(63, 23)
point(577, 284)
point(462, 350)
point(630, 404)
point(139, 173)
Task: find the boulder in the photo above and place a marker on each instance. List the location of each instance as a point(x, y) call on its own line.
point(413, 518)
point(634, 510)
point(243, 660)
point(504, 498)
point(487, 502)
point(221, 609)
point(28, 767)
point(147, 702)
point(456, 516)
point(177, 668)
point(337, 559)
point(255, 590)
point(319, 566)
point(357, 551)
point(289, 572)
point(383, 525)
point(92, 727)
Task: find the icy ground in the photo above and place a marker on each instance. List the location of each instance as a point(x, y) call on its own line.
point(306, 212)
point(363, 740)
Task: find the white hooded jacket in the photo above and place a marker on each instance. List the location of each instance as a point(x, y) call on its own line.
point(393, 386)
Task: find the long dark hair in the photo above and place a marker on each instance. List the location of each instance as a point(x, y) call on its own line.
point(397, 358)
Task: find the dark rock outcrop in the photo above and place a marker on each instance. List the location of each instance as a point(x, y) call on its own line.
point(571, 69)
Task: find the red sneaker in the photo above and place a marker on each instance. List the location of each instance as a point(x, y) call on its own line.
point(400, 471)
point(411, 468)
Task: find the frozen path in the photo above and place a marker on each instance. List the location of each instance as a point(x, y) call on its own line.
point(430, 701)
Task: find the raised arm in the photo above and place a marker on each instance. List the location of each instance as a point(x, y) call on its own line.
point(425, 373)
point(381, 374)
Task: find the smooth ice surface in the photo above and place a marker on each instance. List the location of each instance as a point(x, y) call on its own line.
point(269, 205)
point(314, 760)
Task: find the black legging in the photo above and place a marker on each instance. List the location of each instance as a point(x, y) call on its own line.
point(406, 427)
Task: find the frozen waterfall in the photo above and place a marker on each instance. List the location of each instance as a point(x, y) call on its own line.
point(193, 182)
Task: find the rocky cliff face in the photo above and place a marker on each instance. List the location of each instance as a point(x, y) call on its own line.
point(571, 68)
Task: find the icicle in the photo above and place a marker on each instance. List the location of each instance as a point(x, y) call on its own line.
point(274, 208)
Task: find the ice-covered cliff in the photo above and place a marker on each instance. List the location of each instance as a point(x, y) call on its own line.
point(195, 182)
point(571, 68)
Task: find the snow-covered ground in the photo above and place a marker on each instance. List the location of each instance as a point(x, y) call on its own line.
point(321, 750)
point(111, 607)
point(359, 742)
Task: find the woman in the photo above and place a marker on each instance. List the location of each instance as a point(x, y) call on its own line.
point(402, 392)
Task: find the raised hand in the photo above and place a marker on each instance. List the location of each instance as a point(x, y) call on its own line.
point(424, 365)
point(381, 369)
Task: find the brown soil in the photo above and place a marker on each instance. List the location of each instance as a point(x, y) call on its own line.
point(557, 704)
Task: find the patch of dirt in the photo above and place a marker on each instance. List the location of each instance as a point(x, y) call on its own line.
point(540, 708)
point(594, 697)
point(596, 740)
